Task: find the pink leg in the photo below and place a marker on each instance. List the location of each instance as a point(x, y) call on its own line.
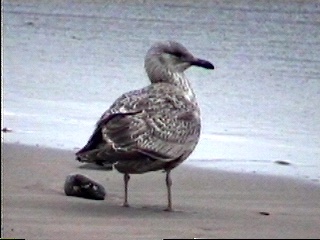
point(126, 178)
point(169, 184)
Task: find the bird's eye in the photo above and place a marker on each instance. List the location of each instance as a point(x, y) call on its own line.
point(178, 54)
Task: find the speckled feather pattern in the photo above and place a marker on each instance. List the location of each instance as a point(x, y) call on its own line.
point(166, 123)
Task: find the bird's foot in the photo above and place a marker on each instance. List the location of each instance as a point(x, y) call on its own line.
point(125, 205)
point(168, 209)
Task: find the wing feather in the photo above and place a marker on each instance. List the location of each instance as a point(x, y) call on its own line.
point(157, 121)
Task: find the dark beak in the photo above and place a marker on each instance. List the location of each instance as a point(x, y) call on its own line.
point(202, 63)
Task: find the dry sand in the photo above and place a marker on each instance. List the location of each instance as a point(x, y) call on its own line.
point(208, 204)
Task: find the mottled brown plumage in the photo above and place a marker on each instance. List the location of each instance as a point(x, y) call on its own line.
point(154, 128)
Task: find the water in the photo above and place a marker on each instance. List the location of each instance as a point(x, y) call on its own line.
point(64, 63)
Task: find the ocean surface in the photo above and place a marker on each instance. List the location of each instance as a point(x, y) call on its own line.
point(65, 62)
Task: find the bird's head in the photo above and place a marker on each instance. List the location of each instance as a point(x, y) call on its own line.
point(172, 57)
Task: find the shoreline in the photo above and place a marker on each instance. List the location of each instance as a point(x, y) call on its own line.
point(272, 168)
point(207, 203)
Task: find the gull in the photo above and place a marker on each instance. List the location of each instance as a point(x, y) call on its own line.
point(153, 128)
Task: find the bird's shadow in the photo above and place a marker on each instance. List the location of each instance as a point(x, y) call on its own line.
point(109, 207)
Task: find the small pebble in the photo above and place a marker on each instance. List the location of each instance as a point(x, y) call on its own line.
point(282, 162)
point(264, 213)
point(6, 129)
point(78, 185)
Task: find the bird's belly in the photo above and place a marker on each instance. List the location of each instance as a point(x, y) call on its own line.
point(139, 166)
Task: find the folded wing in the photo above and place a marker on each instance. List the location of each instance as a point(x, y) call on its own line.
point(156, 121)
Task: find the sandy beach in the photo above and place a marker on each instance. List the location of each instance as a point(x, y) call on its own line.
point(208, 204)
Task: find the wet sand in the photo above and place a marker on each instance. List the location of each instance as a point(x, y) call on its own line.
point(208, 204)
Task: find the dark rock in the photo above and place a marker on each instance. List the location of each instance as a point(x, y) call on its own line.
point(264, 213)
point(78, 185)
point(5, 129)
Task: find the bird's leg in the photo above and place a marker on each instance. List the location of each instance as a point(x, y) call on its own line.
point(169, 184)
point(126, 178)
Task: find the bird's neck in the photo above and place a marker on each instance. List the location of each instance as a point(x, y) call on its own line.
point(178, 79)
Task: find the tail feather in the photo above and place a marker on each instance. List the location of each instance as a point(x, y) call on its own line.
point(93, 142)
